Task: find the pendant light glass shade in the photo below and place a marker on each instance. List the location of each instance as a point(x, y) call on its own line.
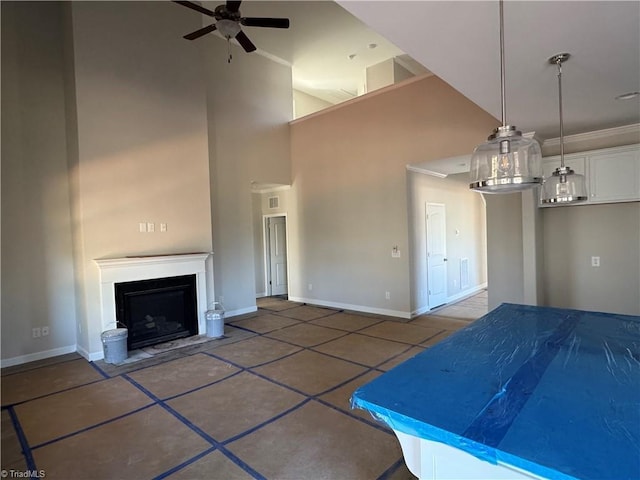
point(564, 186)
point(507, 162)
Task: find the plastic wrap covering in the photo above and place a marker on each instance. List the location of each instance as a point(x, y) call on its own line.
point(551, 391)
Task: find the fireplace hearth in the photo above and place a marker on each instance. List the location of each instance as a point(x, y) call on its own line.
point(157, 310)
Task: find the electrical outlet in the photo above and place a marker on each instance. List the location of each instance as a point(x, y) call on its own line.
point(151, 227)
point(387, 295)
point(35, 332)
point(595, 261)
point(163, 227)
point(45, 331)
point(142, 226)
point(310, 287)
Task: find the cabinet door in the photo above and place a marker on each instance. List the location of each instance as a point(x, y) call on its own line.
point(614, 177)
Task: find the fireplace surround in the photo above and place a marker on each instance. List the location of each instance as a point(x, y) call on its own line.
point(141, 268)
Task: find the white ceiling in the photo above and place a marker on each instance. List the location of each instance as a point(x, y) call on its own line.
point(459, 42)
point(317, 45)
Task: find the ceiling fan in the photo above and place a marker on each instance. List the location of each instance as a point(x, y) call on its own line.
point(229, 21)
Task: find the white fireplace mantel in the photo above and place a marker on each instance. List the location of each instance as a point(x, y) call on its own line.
point(131, 269)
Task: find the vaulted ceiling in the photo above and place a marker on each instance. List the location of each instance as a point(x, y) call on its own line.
point(459, 42)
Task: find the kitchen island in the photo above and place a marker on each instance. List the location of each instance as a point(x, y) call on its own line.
point(523, 392)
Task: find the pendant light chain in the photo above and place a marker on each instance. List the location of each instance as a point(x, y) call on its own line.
point(502, 67)
point(559, 63)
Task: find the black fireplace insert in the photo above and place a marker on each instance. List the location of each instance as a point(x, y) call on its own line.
point(157, 310)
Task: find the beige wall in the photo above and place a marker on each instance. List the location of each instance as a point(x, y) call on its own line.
point(350, 187)
point(248, 143)
point(505, 266)
point(465, 234)
point(37, 267)
point(572, 235)
point(141, 140)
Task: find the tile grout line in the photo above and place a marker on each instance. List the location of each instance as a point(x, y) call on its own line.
point(266, 422)
point(91, 427)
point(185, 464)
point(24, 444)
point(208, 438)
point(54, 393)
point(392, 469)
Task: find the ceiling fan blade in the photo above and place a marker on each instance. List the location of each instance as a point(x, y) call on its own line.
point(201, 32)
point(265, 22)
point(196, 7)
point(233, 6)
point(244, 41)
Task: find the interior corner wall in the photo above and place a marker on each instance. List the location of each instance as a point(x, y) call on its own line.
point(305, 104)
point(141, 140)
point(505, 269)
point(465, 234)
point(249, 104)
point(350, 187)
point(380, 75)
point(37, 267)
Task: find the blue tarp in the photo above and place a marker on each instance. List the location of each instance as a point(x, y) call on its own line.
point(555, 392)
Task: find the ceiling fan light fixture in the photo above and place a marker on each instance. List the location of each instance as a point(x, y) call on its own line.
point(564, 186)
point(507, 162)
point(228, 28)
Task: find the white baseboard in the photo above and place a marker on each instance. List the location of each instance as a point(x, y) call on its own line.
point(420, 311)
point(32, 357)
point(467, 293)
point(240, 311)
point(92, 357)
point(355, 308)
point(261, 295)
point(470, 292)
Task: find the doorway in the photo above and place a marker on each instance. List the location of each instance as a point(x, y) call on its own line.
point(275, 254)
point(436, 244)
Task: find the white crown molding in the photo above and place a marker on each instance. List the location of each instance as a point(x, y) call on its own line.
point(413, 168)
point(595, 135)
point(256, 188)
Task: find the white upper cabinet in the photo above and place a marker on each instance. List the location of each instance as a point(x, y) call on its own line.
point(615, 176)
point(612, 174)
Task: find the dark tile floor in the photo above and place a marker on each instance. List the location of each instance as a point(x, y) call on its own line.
point(269, 401)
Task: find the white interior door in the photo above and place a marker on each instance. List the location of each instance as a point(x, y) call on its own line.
point(435, 220)
point(277, 250)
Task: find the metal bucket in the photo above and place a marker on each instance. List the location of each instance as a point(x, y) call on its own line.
point(114, 343)
point(215, 322)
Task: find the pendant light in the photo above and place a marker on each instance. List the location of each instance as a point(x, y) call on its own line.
point(564, 186)
point(507, 162)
